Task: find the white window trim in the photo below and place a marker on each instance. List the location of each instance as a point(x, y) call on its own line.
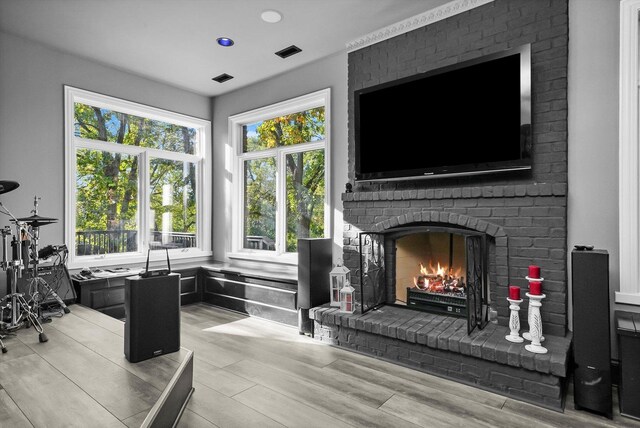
point(629, 177)
point(202, 159)
point(233, 190)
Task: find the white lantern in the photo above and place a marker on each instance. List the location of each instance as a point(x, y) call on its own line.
point(339, 276)
point(346, 299)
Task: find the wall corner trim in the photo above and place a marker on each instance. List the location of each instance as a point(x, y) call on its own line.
point(421, 20)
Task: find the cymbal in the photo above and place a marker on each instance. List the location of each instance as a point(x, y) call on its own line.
point(37, 221)
point(7, 186)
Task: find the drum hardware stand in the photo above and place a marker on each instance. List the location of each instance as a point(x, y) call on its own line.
point(21, 312)
point(36, 280)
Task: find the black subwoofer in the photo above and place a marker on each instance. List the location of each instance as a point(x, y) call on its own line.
point(314, 266)
point(152, 308)
point(591, 331)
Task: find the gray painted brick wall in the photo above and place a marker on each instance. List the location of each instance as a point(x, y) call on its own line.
point(531, 208)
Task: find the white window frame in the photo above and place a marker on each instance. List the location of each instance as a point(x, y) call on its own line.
point(629, 163)
point(203, 172)
point(235, 160)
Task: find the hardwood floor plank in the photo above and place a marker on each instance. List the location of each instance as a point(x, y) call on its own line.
point(419, 388)
point(10, 413)
point(103, 380)
point(190, 419)
point(39, 390)
point(336, 405)
point(224, 380)
point(415, 376)
point(208, 351)
point(223, 411)
point(285, 410)
point(199, 312)
point(15, 349)
point(422, 415)
point(334, 382)
point(135, 421)
point(570, 418)
point(97, 318)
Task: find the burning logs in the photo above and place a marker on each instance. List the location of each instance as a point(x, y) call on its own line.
point(439, 284)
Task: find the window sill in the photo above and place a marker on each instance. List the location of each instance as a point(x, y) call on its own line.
point(628, 298)
point(288, 259)
point(135, 258)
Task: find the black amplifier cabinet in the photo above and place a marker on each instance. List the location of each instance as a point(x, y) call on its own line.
point(56, 277)
point(152, 309)
point(591, 333)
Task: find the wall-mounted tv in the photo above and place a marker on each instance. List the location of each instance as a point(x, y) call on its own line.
point(473, 117)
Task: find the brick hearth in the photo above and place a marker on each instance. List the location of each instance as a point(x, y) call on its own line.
point(440, 345)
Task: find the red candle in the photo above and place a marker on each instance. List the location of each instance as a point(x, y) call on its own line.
point(514, 292)
point(534, 271)
point(535, 288)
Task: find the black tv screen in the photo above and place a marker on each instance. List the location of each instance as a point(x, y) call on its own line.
point(473, 117)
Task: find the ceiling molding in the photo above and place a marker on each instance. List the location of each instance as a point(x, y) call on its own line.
point(429, 17)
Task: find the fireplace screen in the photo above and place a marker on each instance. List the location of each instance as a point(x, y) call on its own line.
point(432, 269)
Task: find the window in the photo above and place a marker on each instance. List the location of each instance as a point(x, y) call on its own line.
point(136, 180)
point(629, 192)
point(280, 186)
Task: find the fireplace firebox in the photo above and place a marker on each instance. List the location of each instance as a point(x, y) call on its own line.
point(429, 268)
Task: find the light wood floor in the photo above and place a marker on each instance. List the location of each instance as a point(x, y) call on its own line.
point(247, 373)
point(80, 377)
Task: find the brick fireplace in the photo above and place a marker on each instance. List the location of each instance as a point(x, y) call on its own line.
point(524, 225)
point(521, 216)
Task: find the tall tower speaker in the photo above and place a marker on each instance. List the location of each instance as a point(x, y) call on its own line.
point(152, 307)
point(314, 266)
point(591, 332)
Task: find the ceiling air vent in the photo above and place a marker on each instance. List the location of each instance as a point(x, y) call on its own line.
point(222, 78)
point(287, 52)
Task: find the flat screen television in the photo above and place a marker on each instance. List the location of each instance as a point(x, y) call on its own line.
point(473, 117)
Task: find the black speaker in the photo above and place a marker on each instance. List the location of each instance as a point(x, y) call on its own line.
point(58, 280)
point(152, 309)
point(314, 265)
point(591, 332)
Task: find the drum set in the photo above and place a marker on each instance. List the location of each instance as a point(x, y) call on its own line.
point(19, 252)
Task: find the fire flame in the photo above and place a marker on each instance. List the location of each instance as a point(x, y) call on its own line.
point(438, 271)
point(439, 278)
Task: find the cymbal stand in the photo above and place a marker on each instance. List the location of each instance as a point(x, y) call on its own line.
point(21, 312)
point(5, 233)
point(35, 282)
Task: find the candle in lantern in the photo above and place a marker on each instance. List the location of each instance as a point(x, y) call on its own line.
point(534, 271)
point(535, 288)
point(514, 292)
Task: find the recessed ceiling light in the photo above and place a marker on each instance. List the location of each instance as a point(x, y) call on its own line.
point(225, 41)
point(271, 16)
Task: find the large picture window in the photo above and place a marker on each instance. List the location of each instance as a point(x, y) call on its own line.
point(280, 186)
point(136, 180)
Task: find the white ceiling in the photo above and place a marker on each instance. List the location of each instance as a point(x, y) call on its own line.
point(174, 41)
